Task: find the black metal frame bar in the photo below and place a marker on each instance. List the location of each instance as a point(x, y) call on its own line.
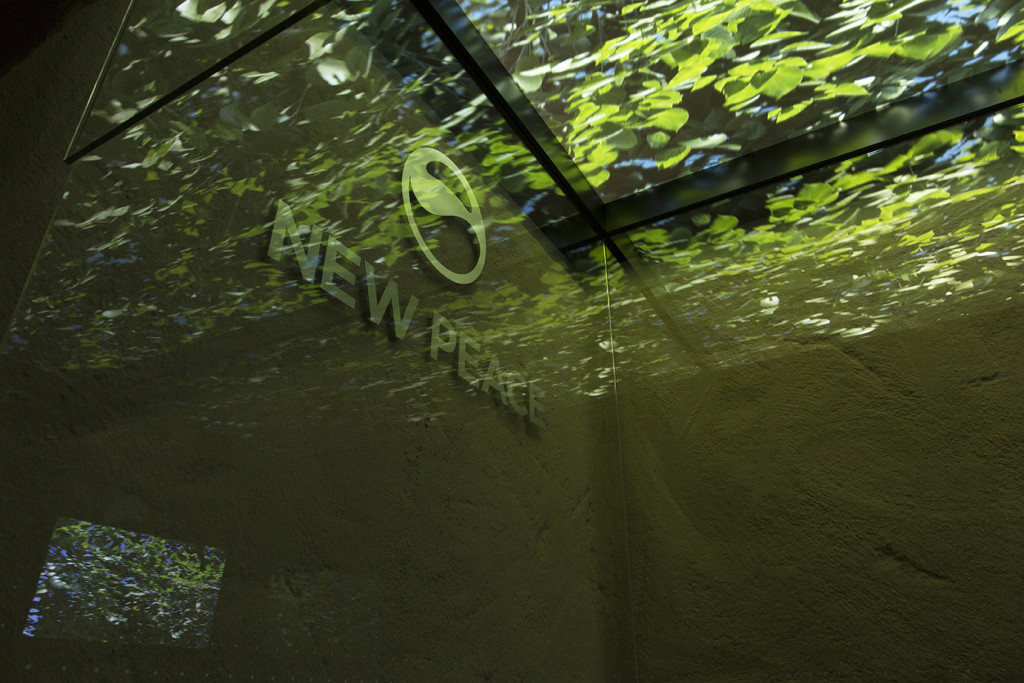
point(473, 53)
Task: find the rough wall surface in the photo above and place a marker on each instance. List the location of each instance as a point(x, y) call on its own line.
point(836, 510)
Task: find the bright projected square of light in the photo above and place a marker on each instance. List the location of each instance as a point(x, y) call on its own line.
point(108, 584)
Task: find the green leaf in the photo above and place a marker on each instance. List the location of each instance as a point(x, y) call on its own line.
point(191, 9)
point(926, 47)
point(599, 177)
point(708, 22)
point(723, 223)
point(741, 95)
point(782, 82)
point(708, 141)
point(530, 82)
point(789, 112)
point(817, 193)
point(658, 139)
point(826, 66)
point(623, 138)
point(670, 119)
point(671, 157)
point(845, 90)
point(334, 71)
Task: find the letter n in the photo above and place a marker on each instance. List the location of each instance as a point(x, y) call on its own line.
point(306, 255)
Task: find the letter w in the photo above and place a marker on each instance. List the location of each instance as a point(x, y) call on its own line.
point(388, 298)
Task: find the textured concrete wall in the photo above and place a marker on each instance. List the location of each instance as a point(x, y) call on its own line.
point(834, 510)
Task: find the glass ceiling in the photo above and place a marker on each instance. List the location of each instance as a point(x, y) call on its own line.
point(640, 93)
point(195, 35)
point(924, 230)
point(637, 94)
point(157, 291)
point(288, 121)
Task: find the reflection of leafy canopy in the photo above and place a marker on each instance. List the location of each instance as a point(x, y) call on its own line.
point(315, 118)
point(643, 92)
point(322, 117)
point(101, 583)
point(168, 42)
point(875, 241)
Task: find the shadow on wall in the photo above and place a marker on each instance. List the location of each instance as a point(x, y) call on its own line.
point(27, 23)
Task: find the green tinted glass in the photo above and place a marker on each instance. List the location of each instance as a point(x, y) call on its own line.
point(923, 230)
point(641, 93)
point(163, 45)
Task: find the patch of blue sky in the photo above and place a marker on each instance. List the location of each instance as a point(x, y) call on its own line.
point(639, 163)
point(958, 149)
point(98, 259)
point(962, 14)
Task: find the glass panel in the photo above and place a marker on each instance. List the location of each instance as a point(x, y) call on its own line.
point(306, 315)
point(819, 386)
point(641, 93)
point(165, 44)
point(918, 231)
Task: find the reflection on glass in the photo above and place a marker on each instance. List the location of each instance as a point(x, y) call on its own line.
point(912, 232)
point(321, 120)
point(640, 93)
point(381, 508)
point(107, 584)
point(164, 44)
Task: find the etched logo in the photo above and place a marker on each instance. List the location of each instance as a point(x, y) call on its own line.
point(435, 197)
